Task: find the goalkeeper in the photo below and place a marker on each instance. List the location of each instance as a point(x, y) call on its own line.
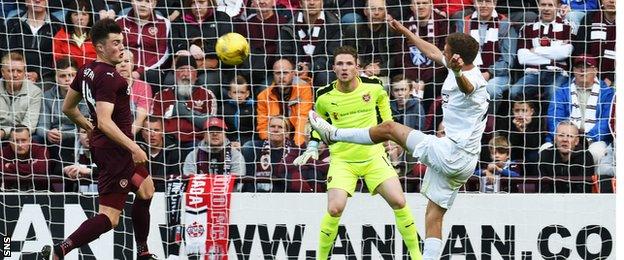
point(350, 102)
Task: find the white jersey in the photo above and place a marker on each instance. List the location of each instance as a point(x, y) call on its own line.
point(465, 115)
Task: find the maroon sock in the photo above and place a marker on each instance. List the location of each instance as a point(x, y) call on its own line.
point(141, 223)
point(88, 231)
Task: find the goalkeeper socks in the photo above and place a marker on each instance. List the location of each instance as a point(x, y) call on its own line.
point(329, 230)
point(140, 223)
point(88, 231)
point(353, 135)
point(432, 248)
point(407, 228)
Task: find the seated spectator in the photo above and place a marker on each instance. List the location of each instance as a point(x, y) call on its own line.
point(185, 107)
point(525, 132)
point(55, 129)
point(214, 154)
point(496, 41)
point(585, 101)
point(311, 36)
point(146, 34)
point(239, 112)
point(140, 92)
point(406, 109)
point(200, 21)
point(20, 99)
point(22, 157)
point(570, 167)
point(500, 163)
point(262, 29)
point(273, 158)
point(73, 40)
point(30, 33)
point(283, 97)
point(519, 12)
point(576, 10)
point(164, 155)
point(544, 48)
point(83, 169)
point(433, 28)
point(374, 40)
point(596, 37)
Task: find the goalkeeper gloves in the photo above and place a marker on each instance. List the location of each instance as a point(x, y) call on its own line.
point(310, 152)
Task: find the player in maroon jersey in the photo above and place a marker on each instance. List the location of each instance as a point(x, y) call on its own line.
point(119, 159)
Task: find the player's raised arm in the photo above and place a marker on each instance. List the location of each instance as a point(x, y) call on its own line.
point(70, 109)
point(105, 123)
point(430, 50)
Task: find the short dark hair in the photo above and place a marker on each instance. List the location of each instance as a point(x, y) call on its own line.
point(19, 128)
point(346, 49)
point(464, 45)
point(239, 80)
point(102, 28)
point(65, 63)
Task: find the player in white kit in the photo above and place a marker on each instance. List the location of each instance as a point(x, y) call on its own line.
point(450, 160)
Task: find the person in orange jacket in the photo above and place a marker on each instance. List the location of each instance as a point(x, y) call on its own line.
point(283, 97)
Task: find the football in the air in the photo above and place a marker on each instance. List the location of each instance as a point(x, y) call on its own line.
point(232, 49)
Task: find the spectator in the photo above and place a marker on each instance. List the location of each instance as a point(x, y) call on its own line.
point(454, 10)
point(576, 10)
point(544, 48)
point(31, 33)
point(147, 35)
point(569, 166)
point(54, 128)
point(73, 40)
point(239, 112)
point(21, 156)
point(433, 28)
point(597, 38)
point(20, 99)
point(83, 169)
point(585, 101)
point(406, 109)
point(262, 29)
point(497, 43)
point(186, 106)
point(311, 36)
point(195, 33)
point(273, 158)
point(215, 155)
point(500, 163)
point(285, 98)
point(374, 40)
point(519, 12)
point(525, 132)
point(164, 155)
point(140, 92)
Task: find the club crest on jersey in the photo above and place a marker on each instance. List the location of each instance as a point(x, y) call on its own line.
point(366, 97)
point(335, 115)
point(152, 30)
point(123, 183)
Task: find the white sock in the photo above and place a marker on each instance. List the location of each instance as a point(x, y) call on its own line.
point(353, 135)
point(432, 248)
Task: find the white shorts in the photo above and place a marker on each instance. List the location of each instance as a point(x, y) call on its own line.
point(448, 168)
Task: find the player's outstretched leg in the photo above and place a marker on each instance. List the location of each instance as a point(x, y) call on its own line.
point(392, 192)
point(385, 131)
point(141, 214)
point(88, 231)
point(336, 202)
point(433, 223)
